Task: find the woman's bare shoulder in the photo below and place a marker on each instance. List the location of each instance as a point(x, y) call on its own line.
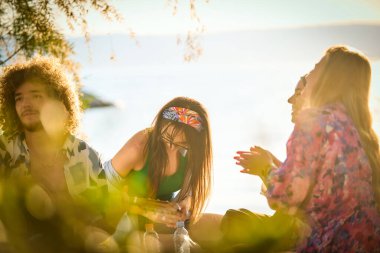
point(139, 139)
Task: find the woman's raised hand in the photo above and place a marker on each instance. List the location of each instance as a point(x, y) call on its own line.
point(256, 161)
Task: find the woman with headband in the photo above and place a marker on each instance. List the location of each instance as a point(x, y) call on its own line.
point(175, 154)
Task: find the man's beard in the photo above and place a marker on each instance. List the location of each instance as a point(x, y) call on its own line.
point(34, 127)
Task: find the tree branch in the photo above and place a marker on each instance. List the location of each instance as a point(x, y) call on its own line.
point(13, 55)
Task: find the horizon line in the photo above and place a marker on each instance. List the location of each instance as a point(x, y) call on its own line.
point(274, 28)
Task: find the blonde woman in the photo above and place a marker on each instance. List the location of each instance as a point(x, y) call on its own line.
point(331, 173)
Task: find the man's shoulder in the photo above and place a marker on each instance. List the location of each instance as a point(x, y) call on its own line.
point(10, 143)
point(80, 149)
point(4, 140)
point(84, 166)
point(78, 145)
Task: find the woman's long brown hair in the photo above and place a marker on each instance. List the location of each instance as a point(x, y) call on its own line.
point(198, 175)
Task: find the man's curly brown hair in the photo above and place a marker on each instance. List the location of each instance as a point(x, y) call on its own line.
point(49, 73)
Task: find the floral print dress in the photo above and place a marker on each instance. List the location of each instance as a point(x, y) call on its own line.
point(327, 176)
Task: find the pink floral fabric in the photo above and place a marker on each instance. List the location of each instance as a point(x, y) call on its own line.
point(327, 176)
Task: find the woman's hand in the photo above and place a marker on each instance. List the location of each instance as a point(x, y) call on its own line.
point(156, 210)
point(257, 161)
point(184, 207)
point(275, 160)
point(168, 215)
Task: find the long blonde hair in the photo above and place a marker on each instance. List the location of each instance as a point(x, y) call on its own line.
point(346, 78)
point(198, 175)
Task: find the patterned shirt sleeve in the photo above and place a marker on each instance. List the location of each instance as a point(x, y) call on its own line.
point(289, 185)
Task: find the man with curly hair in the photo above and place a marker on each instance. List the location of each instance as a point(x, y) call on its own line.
point(39, 114)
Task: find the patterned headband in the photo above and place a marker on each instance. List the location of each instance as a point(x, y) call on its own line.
point(183, 115)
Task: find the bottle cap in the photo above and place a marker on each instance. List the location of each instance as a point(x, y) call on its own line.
point(149, 227)
point(180, 224)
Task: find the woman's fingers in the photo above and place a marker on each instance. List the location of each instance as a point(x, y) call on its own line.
point(254, 161)
point(244, 159)
point(245, 171)
point(260, 150)
point(241, 162)
point(249, 159)
point(238, 158)
point(250, 155)
point(249, 171)
point(242, 152)
point(254, 148)
point(158, 204)
point(165, 218)
point(244, 156)
point(257, 147)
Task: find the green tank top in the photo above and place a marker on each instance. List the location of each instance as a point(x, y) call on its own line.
point(137, 181)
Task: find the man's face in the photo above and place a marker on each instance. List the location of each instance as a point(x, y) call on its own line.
point(295, 100)
point(29, 99)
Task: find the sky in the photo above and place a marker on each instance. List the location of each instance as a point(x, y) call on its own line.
point(153, 17)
